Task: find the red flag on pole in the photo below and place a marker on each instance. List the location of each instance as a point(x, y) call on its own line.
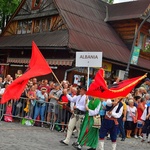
point(38, 66)
point(99, 87)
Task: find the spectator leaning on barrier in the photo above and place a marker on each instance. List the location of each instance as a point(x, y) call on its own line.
point(64, 108)
point(31, 100)
point(41, 97)
point(54, 96)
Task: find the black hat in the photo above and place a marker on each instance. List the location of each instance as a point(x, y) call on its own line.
point(83, 87)
point(137, 97)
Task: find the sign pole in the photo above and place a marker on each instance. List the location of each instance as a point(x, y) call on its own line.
point(88, 76)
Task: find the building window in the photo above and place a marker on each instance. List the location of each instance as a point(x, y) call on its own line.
point(29, 26)
point(36, 4)
point(141, 40)
point(45, 24)
point(144, 42)
point(37, 26)
point(19, 28)
point(24, 27)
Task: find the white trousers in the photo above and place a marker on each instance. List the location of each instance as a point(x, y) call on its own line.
point(74, 121)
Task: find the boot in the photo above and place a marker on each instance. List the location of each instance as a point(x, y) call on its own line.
point(114, 146)
point(101, 145)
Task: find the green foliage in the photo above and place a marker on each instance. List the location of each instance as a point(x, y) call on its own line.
point(7, 8)
point(109, 1)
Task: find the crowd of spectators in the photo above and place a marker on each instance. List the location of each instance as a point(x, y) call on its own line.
point(47, 100)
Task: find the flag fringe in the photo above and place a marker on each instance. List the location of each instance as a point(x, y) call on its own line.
point(133, 83)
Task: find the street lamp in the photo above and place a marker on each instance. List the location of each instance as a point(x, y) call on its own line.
point(133, 44)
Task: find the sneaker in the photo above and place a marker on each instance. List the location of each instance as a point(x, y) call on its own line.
point(136, 137)
point(140, 137)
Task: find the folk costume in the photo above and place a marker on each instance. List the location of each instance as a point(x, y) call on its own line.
point(78, 115)
point(89, 134)
point(110, 123)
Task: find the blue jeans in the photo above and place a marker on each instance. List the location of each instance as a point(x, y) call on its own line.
point(39, 110)
point(121, 127)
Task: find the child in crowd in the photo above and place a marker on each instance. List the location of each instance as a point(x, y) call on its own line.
point(8, 112)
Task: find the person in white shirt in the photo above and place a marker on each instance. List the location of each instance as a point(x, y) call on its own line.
point(78, 114)
point(146, 128)
point(2, 90)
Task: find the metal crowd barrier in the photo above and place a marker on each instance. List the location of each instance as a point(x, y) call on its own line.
point(19, 107)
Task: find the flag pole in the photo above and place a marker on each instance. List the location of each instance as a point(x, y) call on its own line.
point(56, 78)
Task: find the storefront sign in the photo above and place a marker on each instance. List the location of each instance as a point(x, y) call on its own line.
point(88, 59)
point(135, 55)
point(107, 66)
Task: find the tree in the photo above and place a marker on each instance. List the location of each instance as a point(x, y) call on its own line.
point(7, 8)
point(109, 1)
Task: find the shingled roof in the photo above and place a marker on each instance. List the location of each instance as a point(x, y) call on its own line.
point(86, 31)
point(89, 32)
point(128, 10)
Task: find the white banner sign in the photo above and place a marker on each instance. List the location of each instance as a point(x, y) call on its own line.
point(88, 59)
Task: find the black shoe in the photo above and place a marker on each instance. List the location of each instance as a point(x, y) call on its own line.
point(91, 149)
point(75, 144)
point(63, 142)
point(123, 139)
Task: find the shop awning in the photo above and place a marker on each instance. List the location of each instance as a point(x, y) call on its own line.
point(56, 62)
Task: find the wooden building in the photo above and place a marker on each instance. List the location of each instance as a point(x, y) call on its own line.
point(60, 28)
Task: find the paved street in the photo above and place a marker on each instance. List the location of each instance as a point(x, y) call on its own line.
point(15, 136)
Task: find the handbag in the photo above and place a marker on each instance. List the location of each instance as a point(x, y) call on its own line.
point(133, 117)
point(97, 121)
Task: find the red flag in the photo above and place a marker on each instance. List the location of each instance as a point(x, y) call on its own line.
point(99, 88)
point(37, 67)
